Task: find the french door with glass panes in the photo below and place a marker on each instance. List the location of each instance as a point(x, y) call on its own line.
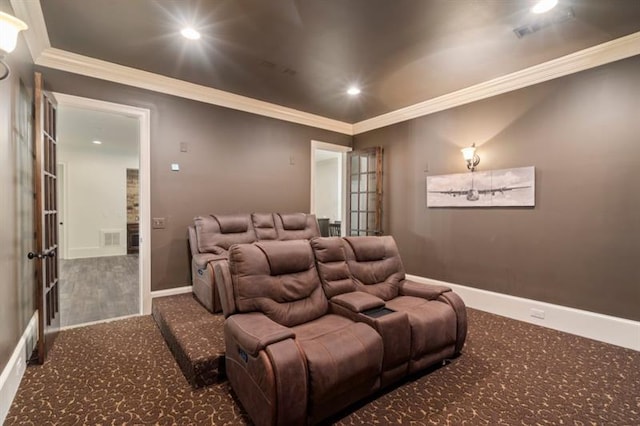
point(364, 203)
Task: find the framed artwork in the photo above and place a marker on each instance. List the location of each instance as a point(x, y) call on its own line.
point(494, 188)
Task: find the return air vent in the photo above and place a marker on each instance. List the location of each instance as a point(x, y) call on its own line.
point(556, 16)
point(278, 68)
point(111, 238)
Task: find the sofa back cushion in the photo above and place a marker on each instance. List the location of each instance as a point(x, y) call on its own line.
point(264, 226)
point(279, 279)
point(375, 265)
point(296, 226)
point(216, 233)
point(332, 265)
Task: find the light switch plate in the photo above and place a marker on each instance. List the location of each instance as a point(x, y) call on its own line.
point(175, 167)
point(158, 223)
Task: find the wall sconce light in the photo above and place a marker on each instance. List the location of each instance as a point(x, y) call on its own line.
point(471, 157)
point(10, 26)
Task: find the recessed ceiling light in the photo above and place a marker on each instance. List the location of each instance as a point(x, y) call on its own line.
point(97, 142)
point(353, 90)
point(544, 6)
point(190, 33)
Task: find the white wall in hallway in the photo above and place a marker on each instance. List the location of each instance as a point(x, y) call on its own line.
point(327, 189)
point(95, 179)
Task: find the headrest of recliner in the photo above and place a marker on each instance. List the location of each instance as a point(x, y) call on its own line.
point(287, 257)
point(293, 221)
point(232, 224)
point(367, 249)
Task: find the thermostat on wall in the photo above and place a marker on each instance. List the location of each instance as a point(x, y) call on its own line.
point(175, 167)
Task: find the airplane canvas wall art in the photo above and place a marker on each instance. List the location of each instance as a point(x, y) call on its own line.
point(493, 188)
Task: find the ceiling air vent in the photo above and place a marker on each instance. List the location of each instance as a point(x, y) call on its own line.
point(556, 16)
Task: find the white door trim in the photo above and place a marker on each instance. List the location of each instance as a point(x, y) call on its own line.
point(64, 247)
point(144, 117)
point(335, 148)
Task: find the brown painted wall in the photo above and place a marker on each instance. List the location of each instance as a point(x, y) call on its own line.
point(236, 162)
point(580, 245)
point(16, 296)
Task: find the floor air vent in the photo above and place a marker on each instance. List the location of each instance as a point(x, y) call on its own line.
point(111, 238)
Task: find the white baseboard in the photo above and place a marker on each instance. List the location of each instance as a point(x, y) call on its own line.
point(86, 324)
point(604, 328)
point(88, 252)
point(14, 370)
point(171, 291)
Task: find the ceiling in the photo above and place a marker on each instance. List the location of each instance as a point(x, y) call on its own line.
point(79, 127)
point(303, 54)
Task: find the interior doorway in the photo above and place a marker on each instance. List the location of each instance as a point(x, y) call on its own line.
point(328, 190)
point(104, 197)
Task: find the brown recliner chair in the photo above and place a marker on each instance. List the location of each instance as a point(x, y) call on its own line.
point(296, 226)
point(421, 324)
point(289, 359)
point(211, 237)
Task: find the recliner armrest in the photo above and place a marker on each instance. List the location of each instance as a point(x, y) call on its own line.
point(425, 291)
point(222, 281)
point(358, 301)
point(202, 259)
point(255, 331)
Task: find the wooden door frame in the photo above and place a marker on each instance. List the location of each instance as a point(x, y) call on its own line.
point(143, 116)
point(46, 249)
point(335, 148)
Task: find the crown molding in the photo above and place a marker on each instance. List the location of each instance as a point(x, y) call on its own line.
point(36, 36)
point(96, 68)
point(43, 54)
point(591, 57)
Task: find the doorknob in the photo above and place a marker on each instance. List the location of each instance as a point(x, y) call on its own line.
point(31, 255)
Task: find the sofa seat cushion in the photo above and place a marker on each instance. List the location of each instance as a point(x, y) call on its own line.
point(433, 323)
point(340, 354)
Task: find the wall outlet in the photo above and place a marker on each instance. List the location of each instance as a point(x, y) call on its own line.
point(158, 223)
point(536, 313)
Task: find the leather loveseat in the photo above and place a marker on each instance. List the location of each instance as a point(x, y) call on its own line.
point(289, 358)
point(211, 237)
point(312, 327)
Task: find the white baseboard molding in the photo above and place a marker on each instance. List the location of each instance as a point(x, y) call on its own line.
point(88, 252)
point(604, 328)
point(86, 324)
point(171, 291)
point(14, 370)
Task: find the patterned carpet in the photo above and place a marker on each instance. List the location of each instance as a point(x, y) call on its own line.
point(510, 373)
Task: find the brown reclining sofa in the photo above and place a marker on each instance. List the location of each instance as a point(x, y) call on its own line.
point(312, 327)
point(211, 236)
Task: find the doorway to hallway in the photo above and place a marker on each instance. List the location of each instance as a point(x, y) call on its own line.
point(328, 190)
point(99, 156)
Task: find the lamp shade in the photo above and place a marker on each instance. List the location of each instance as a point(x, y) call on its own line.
point(9, 28)
point(468, 152)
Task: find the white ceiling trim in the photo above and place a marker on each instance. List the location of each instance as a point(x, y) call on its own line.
point(621, 48)
point(43, 54)
point(84, 65)
point(36, 36)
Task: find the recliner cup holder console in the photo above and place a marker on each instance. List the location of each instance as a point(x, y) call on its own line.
point(378, 312)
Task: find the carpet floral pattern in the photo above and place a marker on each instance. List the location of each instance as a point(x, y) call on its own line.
point(510, 373)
